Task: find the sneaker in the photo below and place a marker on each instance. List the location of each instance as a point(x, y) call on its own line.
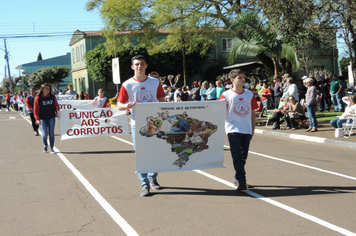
point(236, 183)
point(242, 187)
point(308, 129)
point(145, 191)
point(313, 130)
point(52, 151)
point(36, 133)
point(154, 184)
point(44, 150)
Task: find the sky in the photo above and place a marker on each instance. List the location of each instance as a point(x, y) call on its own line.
point(43, 17)
point(38, 18)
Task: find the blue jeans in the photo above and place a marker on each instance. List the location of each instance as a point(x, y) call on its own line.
point(47, 128)
point(291, 123)
point(336, 98)
point(143, 177)
point(313, 123)
point(337, 122)
point(239, 145)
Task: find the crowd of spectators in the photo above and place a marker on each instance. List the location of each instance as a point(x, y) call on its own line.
point(292, 100)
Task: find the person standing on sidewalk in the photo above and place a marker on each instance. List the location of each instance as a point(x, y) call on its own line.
point(130, 91)
point(30, 100)
point(311, 103)
point(323, 87)
point(277, 91)
point(8, 100)
point(335, 91)
point(239, 124)
point(46, 109)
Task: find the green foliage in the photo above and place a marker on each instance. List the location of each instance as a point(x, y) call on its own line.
point(39, 57)
point(165, 63)
point(254, 37)
point(99, 64)
point(52, 75)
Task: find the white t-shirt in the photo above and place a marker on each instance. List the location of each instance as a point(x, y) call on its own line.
point(239, 108)
point(133, 90)
point(100, 102)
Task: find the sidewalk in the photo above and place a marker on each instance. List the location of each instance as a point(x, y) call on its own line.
point(325, 134)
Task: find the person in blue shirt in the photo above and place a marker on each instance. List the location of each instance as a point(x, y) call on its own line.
point(204, 90)
point(211, 91)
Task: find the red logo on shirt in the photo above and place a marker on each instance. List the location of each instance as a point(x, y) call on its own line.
point(241, 99)
point(143, 88)
point(241, 109)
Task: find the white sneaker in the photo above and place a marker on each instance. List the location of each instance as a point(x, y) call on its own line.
point(52, 151)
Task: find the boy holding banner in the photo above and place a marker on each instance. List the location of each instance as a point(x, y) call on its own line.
point(239, 123)
point(140, 89)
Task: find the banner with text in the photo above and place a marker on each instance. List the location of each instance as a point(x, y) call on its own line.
point(179, 136)
point(76, 104)
point(65, 97)
point(92, 123)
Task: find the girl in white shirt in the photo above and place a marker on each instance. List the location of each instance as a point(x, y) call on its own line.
point(101, 101)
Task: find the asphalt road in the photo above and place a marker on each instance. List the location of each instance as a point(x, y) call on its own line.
point(90, 188)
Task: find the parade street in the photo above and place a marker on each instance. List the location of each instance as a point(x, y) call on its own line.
point(89, 187)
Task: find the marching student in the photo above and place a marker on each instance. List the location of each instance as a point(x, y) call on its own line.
point(30, 100)
point(139, 89)
point(101, 101)
point(239, 123)
point(46, 109)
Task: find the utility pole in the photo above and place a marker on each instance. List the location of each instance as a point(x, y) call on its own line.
point(8, 67)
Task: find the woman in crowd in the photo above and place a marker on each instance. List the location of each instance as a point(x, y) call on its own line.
point(45, 110)
point(204, 91)
point(211, 92)
point(350, 111)
point(311, 103)
point(294, 112)
point(101, 101)
point(302, 90)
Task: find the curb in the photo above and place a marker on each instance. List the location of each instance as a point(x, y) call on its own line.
point(309, 138)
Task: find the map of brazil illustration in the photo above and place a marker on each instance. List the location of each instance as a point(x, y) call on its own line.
point(185, 134)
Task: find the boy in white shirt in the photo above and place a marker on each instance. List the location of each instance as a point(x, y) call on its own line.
point(239, 123)
point(140, 89)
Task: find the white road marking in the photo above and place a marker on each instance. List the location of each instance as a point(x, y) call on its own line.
point(130, 231)
point(283, 206)
point(302, 165)
point(12, 117)
point(273, 202)
point(104, 204)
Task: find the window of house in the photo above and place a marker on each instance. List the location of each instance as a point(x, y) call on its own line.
point(73, 57)
point(77, 50)
point(226, 45)
point(82, 51)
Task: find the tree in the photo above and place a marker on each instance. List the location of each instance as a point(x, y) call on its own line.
point(341, 14)
point(52, 75)
point(260, 39)
point(187, 24)
point(39, 57)
point(5, 83)
point(165, 63)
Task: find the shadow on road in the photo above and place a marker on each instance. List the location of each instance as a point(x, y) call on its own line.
point(285, 191)
point(197, 191)
point(101, 152)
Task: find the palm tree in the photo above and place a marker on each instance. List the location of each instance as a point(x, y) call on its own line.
point(255, 38)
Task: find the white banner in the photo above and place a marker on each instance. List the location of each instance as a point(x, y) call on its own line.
point(92, 123)
point(351, 75)
point(76, 104)
point(116, 71)
point(65, 97)
point(179, 136)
